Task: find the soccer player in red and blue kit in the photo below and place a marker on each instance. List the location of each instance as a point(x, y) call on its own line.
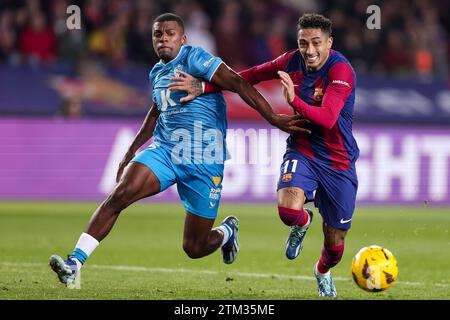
point(319, 84)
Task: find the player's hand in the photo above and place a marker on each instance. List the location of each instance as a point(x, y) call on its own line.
point(288, 86)
point(125, 161)
point(291, 124)
point(186, 83)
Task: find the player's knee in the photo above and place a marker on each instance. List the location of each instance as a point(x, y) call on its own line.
point(291, 197)
point(290, 217)
point(192, 249)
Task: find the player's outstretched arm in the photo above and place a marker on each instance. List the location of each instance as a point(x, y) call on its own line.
point(228, 79)
point(254, 75)
point(144, 134)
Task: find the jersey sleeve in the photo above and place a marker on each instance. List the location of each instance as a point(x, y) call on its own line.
point(268, 70)
point(202, 64)
point(262, 72)
point(340, 85)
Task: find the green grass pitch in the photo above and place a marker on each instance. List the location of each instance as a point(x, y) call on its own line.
point(142, 258)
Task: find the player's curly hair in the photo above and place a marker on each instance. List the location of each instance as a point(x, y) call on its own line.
point(314, 21)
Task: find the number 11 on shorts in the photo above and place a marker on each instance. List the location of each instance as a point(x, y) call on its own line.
point(293, 166)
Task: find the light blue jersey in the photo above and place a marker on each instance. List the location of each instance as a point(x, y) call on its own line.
point(195, 131)
point(189, 138)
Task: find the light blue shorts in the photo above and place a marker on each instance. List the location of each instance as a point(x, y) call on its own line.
point(199, 185)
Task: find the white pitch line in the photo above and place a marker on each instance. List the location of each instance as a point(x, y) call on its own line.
point(212, 272)
point(181, 270)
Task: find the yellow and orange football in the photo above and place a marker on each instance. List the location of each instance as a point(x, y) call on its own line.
point(374, 268)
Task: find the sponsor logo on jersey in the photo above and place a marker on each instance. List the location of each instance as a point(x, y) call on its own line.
point(207, 63)
point(341, 82)
point(214, 193)
point(179, 67)
point(216, 180)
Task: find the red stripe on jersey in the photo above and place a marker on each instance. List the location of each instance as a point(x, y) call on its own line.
point(335, 145)
point(303, 145)
point(297, 78)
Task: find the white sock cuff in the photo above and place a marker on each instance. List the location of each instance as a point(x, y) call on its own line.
point(226, 233)
point(87, 243)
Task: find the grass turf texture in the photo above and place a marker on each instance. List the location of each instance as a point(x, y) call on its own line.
point(142, 258)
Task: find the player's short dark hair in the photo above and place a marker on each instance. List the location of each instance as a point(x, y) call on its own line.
point(314, 21)
point(170, 17)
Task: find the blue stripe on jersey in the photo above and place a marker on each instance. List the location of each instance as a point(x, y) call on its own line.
point(294, 63)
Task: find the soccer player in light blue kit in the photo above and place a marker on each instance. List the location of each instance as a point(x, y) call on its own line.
point(188, 149)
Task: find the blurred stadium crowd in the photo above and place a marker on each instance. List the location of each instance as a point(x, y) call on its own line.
point(413, 40)
point(57, 86)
